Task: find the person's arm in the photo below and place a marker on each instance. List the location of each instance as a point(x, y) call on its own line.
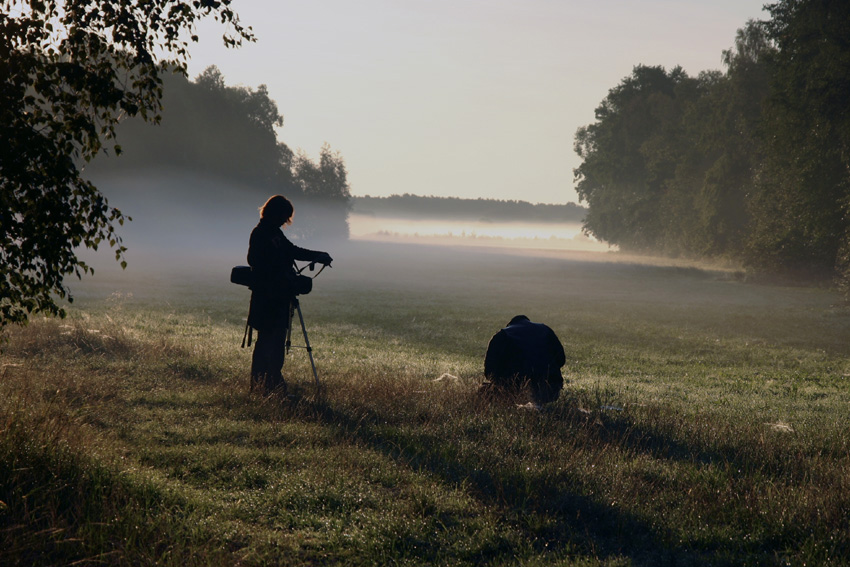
point(497, 361)
point(558, 350)
point(306, 255)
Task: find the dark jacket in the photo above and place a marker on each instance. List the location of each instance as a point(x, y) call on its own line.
point(525, 351)
point(271, 257)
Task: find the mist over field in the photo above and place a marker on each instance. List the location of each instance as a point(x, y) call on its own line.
point(189, 230)
point(186, 223)
point(189, 218)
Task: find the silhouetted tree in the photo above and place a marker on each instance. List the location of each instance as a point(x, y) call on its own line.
point(324, 183)
point(723, 150)
point(800, 201)
point(327, 179)
point(209, 126)
point(69, 72)
point(752, 164)
point(629, 154)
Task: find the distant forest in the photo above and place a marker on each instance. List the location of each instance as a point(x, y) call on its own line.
point(229, 132)
point(751, 164)
point(413, 206)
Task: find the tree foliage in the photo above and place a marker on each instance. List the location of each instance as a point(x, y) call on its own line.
point(752, 164)
point(801, 201)
point(208, 126)
point(231, 132)
point(630, 154)
point(69, 72)
point(327, 179)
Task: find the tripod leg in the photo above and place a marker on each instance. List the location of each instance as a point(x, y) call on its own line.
point(288, 343)
point(307, 343)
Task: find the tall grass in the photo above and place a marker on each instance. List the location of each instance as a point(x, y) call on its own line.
point(703, 423)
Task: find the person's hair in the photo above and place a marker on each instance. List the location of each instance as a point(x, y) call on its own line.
point(277, 209)
point(517, 319)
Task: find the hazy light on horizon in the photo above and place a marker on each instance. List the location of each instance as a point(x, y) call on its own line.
point(558, 236)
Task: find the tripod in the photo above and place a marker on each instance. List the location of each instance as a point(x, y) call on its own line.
point(293, 306)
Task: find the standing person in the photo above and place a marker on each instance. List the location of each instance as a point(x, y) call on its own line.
point(526, 354)
point(271, 257)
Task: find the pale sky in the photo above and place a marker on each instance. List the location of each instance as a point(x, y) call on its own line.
point(460, 98)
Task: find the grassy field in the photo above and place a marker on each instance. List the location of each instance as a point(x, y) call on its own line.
point(704, 421)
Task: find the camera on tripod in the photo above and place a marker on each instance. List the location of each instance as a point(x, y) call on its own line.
point(298, 284)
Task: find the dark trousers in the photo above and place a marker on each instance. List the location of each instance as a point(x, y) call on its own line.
point(543, 389)
point(268, 357)
point(547, 390)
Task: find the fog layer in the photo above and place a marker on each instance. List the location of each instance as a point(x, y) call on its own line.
point(188, 231)
point(564, 236)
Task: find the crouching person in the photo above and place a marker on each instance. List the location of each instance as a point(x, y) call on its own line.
point(526, 355)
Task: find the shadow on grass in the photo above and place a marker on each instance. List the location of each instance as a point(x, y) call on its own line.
point(555, 513)
point(565, 513)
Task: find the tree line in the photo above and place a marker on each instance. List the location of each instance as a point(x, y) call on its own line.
point(751, 164)
point(230, 132)
point(415, 206)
